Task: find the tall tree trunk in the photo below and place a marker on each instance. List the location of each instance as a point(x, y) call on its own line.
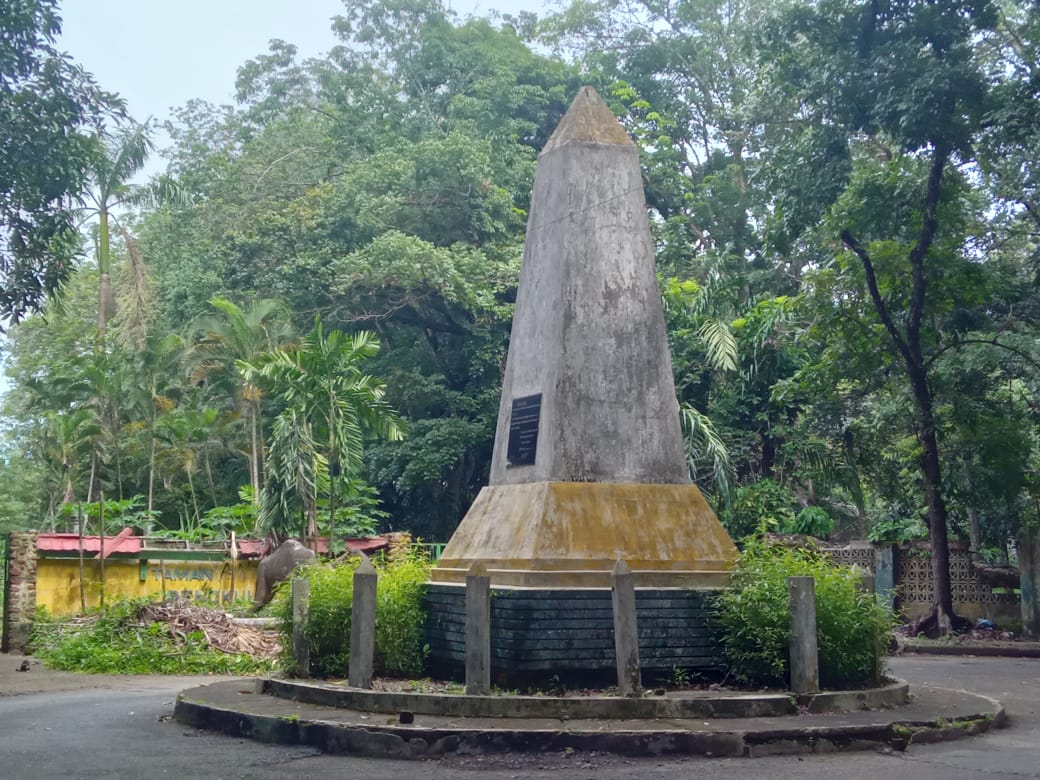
point(334, 471)
point(931, 483)
point(194, 499)
point(254, 461)
point(151, 477)
point(101, 547)
point(209, 478)
point(908, 346)
point(768, 459)
point(974, 535)
point(106, 301)
point(119, 459)
point(82, 585)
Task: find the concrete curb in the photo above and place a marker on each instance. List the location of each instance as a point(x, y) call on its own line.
point(893, 694)
point(1011, 650)
point(237, 710)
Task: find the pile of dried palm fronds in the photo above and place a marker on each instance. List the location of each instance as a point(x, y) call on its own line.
point(182, 617)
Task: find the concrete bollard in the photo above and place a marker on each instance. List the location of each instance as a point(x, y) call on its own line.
point(363, 625)
point(1029, 580)
point(805, 661)
point(885, 573)
point(626, 632)
point(478, 631)
point(868, 585)
point(301, 603)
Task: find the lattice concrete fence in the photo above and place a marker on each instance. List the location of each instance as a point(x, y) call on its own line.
point(912, 583)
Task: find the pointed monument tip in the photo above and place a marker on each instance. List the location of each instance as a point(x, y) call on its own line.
point(588, 120)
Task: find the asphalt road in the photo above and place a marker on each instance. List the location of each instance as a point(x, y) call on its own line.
point(125, 732)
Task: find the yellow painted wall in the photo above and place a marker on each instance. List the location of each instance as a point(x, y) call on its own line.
point(207, 582)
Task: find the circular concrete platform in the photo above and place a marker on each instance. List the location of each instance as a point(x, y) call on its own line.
point(426, 725)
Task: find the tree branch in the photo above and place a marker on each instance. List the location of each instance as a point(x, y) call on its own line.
point(875, 294)
point(991, 342)
point(924, 242)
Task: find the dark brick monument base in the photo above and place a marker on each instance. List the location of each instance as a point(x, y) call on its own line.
point(569, 633)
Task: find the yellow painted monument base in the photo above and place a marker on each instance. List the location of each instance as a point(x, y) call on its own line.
point(571, 534)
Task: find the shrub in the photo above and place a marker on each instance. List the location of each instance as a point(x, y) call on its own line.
point(811, 521)
point(328, 625)
point(763, 505)
point(898, 529)
point(116, 641)
point(755, 618)
point(400, 615)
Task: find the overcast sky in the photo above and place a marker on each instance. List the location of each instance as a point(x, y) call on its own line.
point(159, 54)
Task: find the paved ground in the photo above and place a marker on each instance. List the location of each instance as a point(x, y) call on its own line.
point(119, 727)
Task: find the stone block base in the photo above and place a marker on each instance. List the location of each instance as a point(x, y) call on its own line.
point(537, 634)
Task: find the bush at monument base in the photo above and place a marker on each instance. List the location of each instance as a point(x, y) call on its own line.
point(400, 616)
point(755, 618)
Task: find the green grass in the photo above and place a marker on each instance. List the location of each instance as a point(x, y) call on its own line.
point(116, 642)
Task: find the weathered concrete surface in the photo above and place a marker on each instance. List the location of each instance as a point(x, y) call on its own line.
point(301, 607)
point(1029, 566)
point(626, 631)
point(678, 705)
point(230, 709)
point(588, 329)
point(363, 625)
point(606, 478)
point(977, 648)
point(478, 631)
point(565, 534)
point(805, 658)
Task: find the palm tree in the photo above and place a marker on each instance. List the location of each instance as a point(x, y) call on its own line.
point(153, 393)
point(110, 379)
point(186, 437)
point(67, 442)
point(226, 337)
point(121, 155)
point(297, 472)
point(330, 403)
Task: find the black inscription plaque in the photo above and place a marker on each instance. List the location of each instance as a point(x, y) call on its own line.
point(523, 430)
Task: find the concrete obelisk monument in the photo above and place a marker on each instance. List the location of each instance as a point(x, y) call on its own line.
point(588, 466)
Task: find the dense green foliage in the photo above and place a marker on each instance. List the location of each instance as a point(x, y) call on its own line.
point(48, 111)
point(400, 616)
point(755, 619)
point(844, 199)
point(760, 506)
point(811, 521)
point(116, 641)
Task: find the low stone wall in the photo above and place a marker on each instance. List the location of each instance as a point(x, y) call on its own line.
point(19, 591)
point(538, 632)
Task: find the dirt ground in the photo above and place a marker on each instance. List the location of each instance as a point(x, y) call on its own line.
point(40, 679)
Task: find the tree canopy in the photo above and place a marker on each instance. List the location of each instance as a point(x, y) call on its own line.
point(844, 198)
point(49, 108)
